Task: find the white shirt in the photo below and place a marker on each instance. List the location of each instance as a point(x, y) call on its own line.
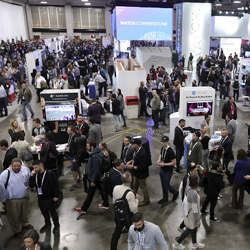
point(38, 81)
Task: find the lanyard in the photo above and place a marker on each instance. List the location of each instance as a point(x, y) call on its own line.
point(42, 179)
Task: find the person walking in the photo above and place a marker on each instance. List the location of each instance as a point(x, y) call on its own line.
point(145, 235)
point(179, 137)
point(132, 199)
point(139, 169)
point(213, 185)
point(25, 96)
point(47, 188)
point(111, 70)
point(166, 162)
point(95, 132)
point(94, 173)
point(40, 84)
point(241, 169)
point(116, 111)
point(229, 108)
point(191, 211)
point(190, 62)
point(15, 179)
point(156, 104)
point(122, 106)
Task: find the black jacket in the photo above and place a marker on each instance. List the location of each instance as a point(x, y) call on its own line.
point(214, 184)
point(10, 154)
point(143, 94)
point(227, 147)
point(140, 161)
point(128, 154)
point(50, 186)
point(116, 107)
point(115, 178)
point(179, 138)
point(226, 110)
point(95, 164)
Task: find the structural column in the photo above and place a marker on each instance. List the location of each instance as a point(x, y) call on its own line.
point(69, 20)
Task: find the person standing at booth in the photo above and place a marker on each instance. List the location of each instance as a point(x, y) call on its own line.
point(195, 149)
point(179, 137)
point(156, 104)
point(143, 97)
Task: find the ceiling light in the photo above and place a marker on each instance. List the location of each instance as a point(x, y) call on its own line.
point(226, 12)
point(232, 12)
point(44, 2)
point(220, 12)
point(246, 8)
point(237, 1)
point(84, 0)
point(87, 4)
point(218, 4)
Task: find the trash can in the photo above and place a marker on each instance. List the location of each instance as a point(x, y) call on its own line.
point(92, 91)
point(132, 106)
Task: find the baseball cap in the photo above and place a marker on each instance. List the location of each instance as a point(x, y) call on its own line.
point(136, 141)
point(165, 138)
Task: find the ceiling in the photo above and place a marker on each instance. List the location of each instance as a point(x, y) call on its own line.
point(218, 5)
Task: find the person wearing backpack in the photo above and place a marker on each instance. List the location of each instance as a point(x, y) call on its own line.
point(47, 188)
point(15, 180)
point(125, 205)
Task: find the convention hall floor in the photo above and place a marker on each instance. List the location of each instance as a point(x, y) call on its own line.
point(93, 232)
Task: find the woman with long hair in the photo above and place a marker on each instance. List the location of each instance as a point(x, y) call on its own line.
point(121, 100)
point(13, 131)
point(205, 141)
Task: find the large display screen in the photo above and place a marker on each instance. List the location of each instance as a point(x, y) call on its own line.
point(141, 23)
point(60, 112)
point(199, 108)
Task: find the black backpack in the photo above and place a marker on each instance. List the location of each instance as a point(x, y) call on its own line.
point(123, 215)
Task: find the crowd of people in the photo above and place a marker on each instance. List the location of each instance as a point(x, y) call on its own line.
point(96, 166)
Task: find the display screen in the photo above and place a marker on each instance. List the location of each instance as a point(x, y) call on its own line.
point(247, 54)
point(60, 112)
point(141, 23)
point(199, 108)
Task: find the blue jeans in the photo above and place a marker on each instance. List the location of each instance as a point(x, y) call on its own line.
point(24, 105)
point(117, 122)
point(165, 183)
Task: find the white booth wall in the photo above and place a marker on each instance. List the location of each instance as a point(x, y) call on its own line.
point(12, 19)
point(158, 56)
point(230, 45)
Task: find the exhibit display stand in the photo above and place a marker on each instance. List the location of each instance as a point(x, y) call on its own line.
point(33, 61)
point(195, 102)
point(129, 74)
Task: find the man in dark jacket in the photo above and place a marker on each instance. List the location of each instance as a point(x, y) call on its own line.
point(127, 150)
point(229, 108)
point(179, 142)
point(94, 174)
point(47, 192)
point(116, 111)
point(95, 110)
point(143, 97)
point(139, 169)
point(226, 144)
point(116, 174)
point(195, 149)
point(111, 70)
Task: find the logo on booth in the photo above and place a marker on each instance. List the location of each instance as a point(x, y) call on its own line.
point(193, 92)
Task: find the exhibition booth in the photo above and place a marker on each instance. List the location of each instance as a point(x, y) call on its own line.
point(129, 74)
point(195, 102)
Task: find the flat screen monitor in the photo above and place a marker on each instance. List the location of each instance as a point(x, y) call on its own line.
point(60, 112)
point(143, 23)
point(247, 54)
point(199, 108)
